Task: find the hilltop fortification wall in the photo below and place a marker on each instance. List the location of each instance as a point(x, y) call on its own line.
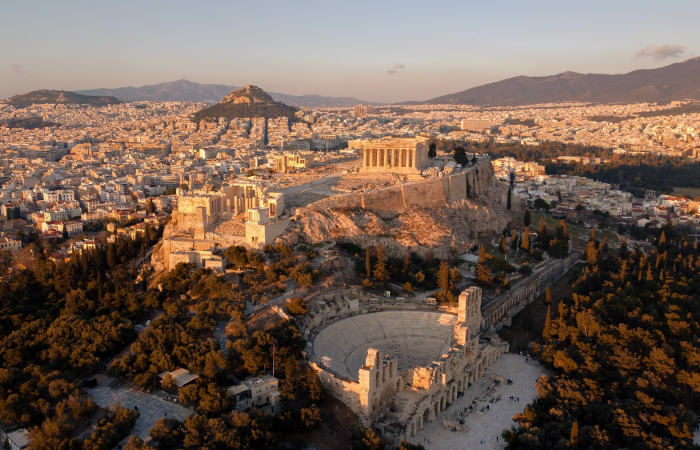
point(471, 182)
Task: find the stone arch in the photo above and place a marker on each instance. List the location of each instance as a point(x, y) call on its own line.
point(460, 385)
point(398, 385)
point(437, 408)
point(442, 403)
point(413, 429)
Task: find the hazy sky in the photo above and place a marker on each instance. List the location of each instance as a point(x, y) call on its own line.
point(374, 50)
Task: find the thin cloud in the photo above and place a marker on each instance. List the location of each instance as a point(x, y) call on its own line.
point(395, 69)
point(19, 70)
point(661, 51)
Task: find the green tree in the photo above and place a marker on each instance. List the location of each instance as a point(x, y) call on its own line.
point(525, 243)
point(546, 332)
point(548, 296)
point(526, 218)
point(573, 437)
point(502, 244)
point(591, 253)
point(482, 270)
point(380, 270)
point(445, 293)
point(368, 264)
point(362, 438)
point(460, 155)
point(167, 433)
point(297, 307)
point(541, 204)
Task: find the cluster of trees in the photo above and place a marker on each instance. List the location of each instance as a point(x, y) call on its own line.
point(111, 430)
point(460, 155)
point(410, 272)
point(194, 302)
point(58, 322)
point(266, 274)
point(637, 174)
point(544, 152)
point(624, 352)
point(492, 269)
point(634, 173)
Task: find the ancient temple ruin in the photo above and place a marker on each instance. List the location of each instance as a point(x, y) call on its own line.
point(416, 360)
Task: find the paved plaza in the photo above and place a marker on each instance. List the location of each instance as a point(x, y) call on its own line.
point(151, 407)
point(493, 409)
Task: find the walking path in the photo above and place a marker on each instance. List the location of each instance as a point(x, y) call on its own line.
point(493, 406)
point(150, 407)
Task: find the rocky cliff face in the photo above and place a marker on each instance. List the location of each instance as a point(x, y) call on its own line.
point(445, 230)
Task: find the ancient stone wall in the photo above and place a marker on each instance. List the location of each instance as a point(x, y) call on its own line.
point(471, 182)
point(344, 390)
point(501, 310)
point(437, 383)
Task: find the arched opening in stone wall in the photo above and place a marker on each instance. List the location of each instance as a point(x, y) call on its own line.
point(442, 403)
point(413, 429)
point(426, 417)
point(398, 385)
point(437, 408)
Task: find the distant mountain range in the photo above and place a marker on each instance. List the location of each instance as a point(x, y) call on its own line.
point(248, 101)
point(677, 81)
point(189, 91)
point(61, 97)
point(674, 82)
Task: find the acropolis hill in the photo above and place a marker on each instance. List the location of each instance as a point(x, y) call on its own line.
point(393, 195)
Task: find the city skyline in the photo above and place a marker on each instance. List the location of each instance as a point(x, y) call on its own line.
point(386, 53)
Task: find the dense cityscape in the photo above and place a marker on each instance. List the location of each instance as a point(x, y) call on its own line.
point(513, 266)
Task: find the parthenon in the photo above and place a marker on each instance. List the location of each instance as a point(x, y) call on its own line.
point(400, 155)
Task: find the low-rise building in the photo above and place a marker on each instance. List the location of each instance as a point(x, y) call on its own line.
point(256, 392)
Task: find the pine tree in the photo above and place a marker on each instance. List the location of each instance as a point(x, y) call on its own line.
point(380, 271)
point(591, 253)
point(406, 264)
point(527, 219)
point(546, 332)
point(368, 264)
point(573, 437)
point(444, 279)
point(623, 251)
point(502, 244)
point(514, 241)
point(623, 271)
point(562, 231)
point(662, 240)
point(525, 243)
point(482, 270)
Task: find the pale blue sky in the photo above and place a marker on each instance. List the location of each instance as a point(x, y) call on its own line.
point(334, 48)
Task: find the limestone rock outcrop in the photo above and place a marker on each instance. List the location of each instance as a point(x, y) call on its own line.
point(443, 230)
